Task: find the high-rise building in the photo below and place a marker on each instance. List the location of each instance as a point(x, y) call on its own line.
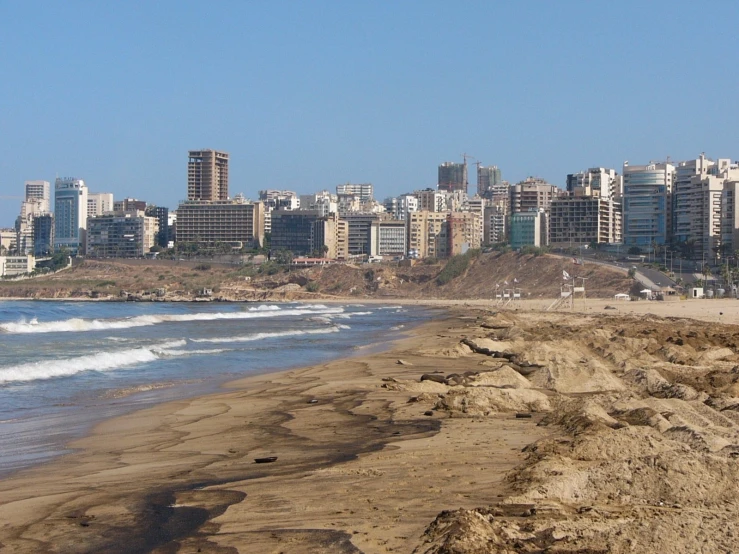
point(30, 208)
point(330, 237)
point(129, 205)
point(361, 239)
point(364, 190)
point(325, 202)
point(730, 218)
point(43, 235)
point(120, 235)
point(39, 190)
point(452, 176)
point(578, 219)
point(464, 231)
point(161, 214)
point(400, 206)
point(99, 203)
point(488, 179)
point(70, 214)
point(701, 189)
point(596, 181)
point(207, 175)
point(494, 225)
point(427, 234)
point(647, 203)
point(237, 222)
point(430, 200)
point(532, 194)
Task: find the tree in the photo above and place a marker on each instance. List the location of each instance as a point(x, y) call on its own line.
point(283, 257)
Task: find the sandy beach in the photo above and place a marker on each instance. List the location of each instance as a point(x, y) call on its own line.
point(626, 428)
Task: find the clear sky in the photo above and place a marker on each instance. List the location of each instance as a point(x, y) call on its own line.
point(305, 95)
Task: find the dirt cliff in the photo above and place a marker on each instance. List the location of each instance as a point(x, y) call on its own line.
point(535, 276)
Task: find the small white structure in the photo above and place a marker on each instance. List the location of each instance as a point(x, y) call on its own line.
point(696, 292)
point(622, 296)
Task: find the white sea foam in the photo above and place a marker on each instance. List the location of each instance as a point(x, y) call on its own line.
point(276, 334)
point(265, 308)
point(100, 361)
point(77, 324)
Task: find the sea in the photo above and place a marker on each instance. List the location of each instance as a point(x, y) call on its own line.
point(65, 366)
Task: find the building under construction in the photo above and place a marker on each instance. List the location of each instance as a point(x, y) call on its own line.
point(453, 176)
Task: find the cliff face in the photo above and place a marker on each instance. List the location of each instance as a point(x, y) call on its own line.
point(535, 276)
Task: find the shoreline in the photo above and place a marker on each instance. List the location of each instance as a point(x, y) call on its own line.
point(79, 416)
point(103, 451)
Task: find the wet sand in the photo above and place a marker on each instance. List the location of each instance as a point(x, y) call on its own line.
point(358, 466)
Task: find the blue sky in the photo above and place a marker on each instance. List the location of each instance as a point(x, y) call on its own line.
point(306, 95)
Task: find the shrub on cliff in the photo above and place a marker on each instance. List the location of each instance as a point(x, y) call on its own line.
point(456, 266)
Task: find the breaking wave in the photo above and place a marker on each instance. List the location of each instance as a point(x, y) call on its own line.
point(100, 361)
point(277, 334)
point(78, 324)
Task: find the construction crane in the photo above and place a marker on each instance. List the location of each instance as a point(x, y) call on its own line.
point(466, 156)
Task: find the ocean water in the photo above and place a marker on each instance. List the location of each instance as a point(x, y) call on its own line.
point(67, 365)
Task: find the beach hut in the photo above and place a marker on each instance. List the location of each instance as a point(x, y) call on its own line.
point(647, 293)
point(621, 296)
point(696, 292)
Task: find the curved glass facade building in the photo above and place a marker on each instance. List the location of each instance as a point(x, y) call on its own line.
point(647, 203)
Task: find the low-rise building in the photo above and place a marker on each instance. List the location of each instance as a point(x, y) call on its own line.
point(390, 238)
point(528, 229)
point(8, 239)
point(16, 265)
point(293, 230)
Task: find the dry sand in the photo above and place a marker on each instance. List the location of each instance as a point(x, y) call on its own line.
point(631, 446)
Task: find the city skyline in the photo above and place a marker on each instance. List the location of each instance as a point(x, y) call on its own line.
point(370, 99)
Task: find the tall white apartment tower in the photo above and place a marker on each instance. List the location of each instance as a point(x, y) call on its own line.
point(70, 214)
point(39, 192)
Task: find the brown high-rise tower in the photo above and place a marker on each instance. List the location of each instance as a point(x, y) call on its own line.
point(207, 175)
